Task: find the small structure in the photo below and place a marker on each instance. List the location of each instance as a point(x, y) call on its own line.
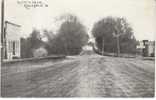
point(151, 48)
point(88, 46)
point(11, 41)
point(147, 48)
point(87, 49)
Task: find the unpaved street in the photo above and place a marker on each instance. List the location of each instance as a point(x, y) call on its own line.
point(82, 76)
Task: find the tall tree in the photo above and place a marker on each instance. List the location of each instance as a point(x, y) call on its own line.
point(108, 30)
point(30, 43)
point(71, 36)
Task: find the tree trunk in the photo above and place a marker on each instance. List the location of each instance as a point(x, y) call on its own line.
point(103, 47)
point(118, 46)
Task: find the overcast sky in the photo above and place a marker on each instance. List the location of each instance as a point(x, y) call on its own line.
point(141, 14)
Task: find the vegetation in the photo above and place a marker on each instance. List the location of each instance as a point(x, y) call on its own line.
point(111, 35)
point(106, 32)
point(70, 38)
point(31, 43)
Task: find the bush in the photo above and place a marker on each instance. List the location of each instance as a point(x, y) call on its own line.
point(152, 54)
point(40, 52)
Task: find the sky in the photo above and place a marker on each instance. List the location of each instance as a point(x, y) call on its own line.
point(141, 14)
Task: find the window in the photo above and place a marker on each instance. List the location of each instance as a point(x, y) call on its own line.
point(10, 46)
point(13, 47)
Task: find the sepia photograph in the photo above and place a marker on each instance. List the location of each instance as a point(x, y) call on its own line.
point(77, 48)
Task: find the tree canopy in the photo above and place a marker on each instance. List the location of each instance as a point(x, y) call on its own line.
point(70, 37)
point(108, 29)
point(29, 44)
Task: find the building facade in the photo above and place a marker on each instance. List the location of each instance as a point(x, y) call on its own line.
point(147, 48)
point(151, 48)
point(11, 41)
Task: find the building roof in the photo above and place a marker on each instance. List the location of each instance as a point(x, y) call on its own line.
point(148, 42)
point(12, 23)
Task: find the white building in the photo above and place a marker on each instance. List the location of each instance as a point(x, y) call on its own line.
point(11, 41)
point(151, 48)
point(89, 45)
point(147, 48)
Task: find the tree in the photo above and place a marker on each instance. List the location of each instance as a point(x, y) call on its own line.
point(24, 48)
point(71, 36)
point(40, 52)
point(35, 39)
point(116, 34)
point(29, 44)
point(48, 34)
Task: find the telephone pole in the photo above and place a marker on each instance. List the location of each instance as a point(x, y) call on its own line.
point(103, 46)
point(2, 29)
point(118, 46)
point(118, 42)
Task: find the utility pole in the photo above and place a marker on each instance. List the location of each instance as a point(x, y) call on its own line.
point(2, 29)
point(118, 43)
point(118, 46)
point(2, 35)
point(103, 45)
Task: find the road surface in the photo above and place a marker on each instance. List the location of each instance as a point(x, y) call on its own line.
point(81, 76)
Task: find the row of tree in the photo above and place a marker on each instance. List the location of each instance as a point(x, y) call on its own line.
point(111, 35)
point(114, 35)
point(69, 39)
point(30, 44)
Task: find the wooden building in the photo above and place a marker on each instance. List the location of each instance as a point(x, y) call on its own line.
point(11, 41)
point(147, 48)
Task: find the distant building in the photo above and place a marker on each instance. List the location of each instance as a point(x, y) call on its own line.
point(89, 45)
point(151, 48)
point(87, 49)
point(11, 41)
point(147, 48)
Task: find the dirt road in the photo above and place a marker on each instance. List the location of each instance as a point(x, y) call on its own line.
point(82, 76)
